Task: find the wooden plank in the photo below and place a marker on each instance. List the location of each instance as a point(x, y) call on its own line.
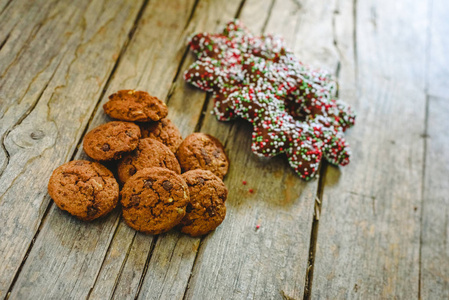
point(51, 85)
point(438, 49)
point(63, 244)
point(435, 211)
point(239, 260)
point(18, 43)
point(368, 238)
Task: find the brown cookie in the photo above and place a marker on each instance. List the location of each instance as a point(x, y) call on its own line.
point(206, 209)
point(149, 153)
point(154, 200)
point(164, 131)
point(136, 106)
point(203, 151)
point(84, 189)
point(109, 141)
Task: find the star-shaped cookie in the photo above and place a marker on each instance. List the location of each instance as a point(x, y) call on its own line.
point(291, 106)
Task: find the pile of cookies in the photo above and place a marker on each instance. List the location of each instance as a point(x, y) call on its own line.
point(166, 181)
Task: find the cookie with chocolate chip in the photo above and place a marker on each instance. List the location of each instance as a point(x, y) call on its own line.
point(136, 106)
point(149, 153)
point(86, 190)
point(206, 209)
point(154, 200)
point(109, 141)
point(203, 151)
point(164, 131)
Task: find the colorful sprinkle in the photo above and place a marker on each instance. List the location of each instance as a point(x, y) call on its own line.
point(291, 106)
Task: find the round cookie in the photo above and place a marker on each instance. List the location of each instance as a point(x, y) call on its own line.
point(164, 131)
point(154, 200)
point(203, 151)
point(109, 141)
point(206, 209)
point(136, 106)
point(149, 153)
point(85, 189)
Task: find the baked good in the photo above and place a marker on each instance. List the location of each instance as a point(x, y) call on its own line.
point(164, 131)
point(203, 151)
point(84, 189)
point(136, 106)
point(291, 106)
point(109, 141)
point(206, 209)
point(154, 200)
point(149, 153)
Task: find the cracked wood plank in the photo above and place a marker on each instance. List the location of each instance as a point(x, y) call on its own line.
point(18, 44)
point(368, 238)
point(239, 260)
point(53, 72)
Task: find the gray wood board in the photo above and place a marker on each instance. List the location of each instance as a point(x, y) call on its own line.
point(435, 211)
point(369, 229)
point(63, 55)
point(438, 64)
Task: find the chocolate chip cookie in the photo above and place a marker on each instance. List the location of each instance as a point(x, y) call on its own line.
point(164, 131)
point(84, 189)
point(109, 141)
point(203, 151)
point(154, 200)
point(149, 153)
point(136, 106)
point(206, 209)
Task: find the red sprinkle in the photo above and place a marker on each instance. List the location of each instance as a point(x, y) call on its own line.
point(251, 191)
point(244, 182)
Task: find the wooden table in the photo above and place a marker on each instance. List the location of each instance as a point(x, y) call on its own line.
point(375, 229)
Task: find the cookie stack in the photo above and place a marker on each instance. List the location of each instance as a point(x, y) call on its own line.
point(166, 181)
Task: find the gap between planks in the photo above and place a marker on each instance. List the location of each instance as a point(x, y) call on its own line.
point(308, 284)
point(44, 217)
point(425, 136)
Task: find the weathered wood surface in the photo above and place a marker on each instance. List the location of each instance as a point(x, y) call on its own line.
point(369, 230)
point(435, 214)
point(435, 205)
point(438, 62)
point(384, 219)
point(52, 65)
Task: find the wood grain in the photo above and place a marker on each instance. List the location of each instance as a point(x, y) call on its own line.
point(368, 238)
point(383, 228)
point(435, 218)
point(64, 63)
